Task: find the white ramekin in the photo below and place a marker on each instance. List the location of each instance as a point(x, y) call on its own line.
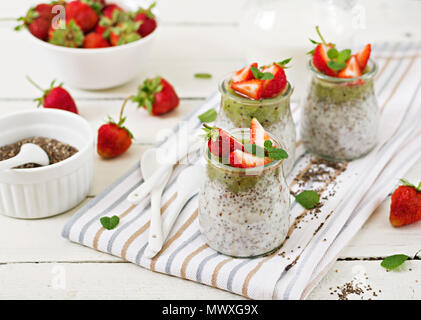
point(94, 69)
point(50, 190)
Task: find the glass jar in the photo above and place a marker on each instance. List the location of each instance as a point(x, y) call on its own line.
point(274, 115)
point(340, 117)
point(243, 212)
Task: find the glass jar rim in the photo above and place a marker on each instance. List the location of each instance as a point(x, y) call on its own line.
point(243, 100)
point(245, 171)
point(366, 76)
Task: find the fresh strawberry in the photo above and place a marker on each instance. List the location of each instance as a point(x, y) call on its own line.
point(363, 56)
point(100, 30)
point(241, 159)
point(113, 138)
point(94, 40)
point(37, 20)
point(157, 95)
point(107, 25)
point(82, 14)
point(250, 88)
point(55, 97)
point(405, 207)
point(220, 142)
point(258, 135)
point(124, 33)
point(244, 74)
point(274, 86)
point(320, 60)
point(351, 70)
point(69, 35)
point(108, 10)
point(147, 20)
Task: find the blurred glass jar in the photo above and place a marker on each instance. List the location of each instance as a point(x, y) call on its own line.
point(273, 30)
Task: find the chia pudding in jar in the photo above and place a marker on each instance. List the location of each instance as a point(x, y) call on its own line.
point(236, 111)
point(340, 117)
point(243, 212)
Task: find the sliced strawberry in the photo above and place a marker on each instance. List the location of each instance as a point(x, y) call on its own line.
point(320, 60)
point(351, 70)
point(241, 159)
point(363, 56)
point(220, 142)
point(250, 88)
point(244, 74)
point(257, 133)
point(274, 86)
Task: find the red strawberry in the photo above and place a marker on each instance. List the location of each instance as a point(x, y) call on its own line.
point(37, 20)
point(157, 95)
point(405, 207)
point(220, 142)
point(108, 10)
point(94, 40)
point(244, 74)
point(100, 30)
point(113, 138)
point(320, 60)
point(351, 70)
point(147, 19)
point(258, 135)
point(124, 33)
point(250, 88)
point(241, 159)
point(83, 14)
point(274, 86)
point(55, 97)
point(363, 56)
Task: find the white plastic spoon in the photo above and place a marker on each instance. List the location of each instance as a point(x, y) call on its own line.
point(175, 155)
point(188, 184)
point(29, 153)
point(149, 165)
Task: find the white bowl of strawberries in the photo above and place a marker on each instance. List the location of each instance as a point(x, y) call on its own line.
point(92, 44)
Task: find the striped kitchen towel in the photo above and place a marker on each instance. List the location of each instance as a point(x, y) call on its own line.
point(349, 193)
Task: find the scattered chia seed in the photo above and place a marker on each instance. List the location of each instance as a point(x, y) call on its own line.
point(57, 151)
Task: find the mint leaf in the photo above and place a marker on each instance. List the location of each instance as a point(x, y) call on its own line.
point(392, 262)
point(332, 53)
point(203, 75)
point(260, 75)
point(277, 154)
point(344, 55)
point(208, 116)
point(337, 66)
point(308, 199)
point(110, 223)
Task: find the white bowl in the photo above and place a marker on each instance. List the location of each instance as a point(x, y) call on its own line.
point(50, 190)
point(94, 69)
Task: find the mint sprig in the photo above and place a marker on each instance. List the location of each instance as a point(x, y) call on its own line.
point(261, 75)
point(110, 223)
point(308, 199)
point(394, 261)
point(268, 151)
point(208, 116)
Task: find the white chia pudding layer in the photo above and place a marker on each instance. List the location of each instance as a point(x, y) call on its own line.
point(273, 114)
point(340, 121)
point(244, 216)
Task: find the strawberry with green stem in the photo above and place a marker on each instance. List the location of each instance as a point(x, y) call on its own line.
point(157, 95)
point(405, 207)
point(83, 14)
point(125, 32)
point(37, 20)
point(113, 138)
point(55, 97)
point(67, 35)
point(220, 142)
point(147, 19)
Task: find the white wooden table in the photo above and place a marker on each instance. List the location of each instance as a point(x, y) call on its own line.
point(194, 36)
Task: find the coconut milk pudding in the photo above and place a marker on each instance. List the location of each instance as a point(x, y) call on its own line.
point(340, 117)
point(273, 113)
point(243, 210)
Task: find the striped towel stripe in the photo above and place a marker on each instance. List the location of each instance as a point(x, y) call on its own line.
point(313, 240)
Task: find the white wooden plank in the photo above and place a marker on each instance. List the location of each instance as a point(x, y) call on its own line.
point(402, 283)
point(97, 281)
point(127, 281)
